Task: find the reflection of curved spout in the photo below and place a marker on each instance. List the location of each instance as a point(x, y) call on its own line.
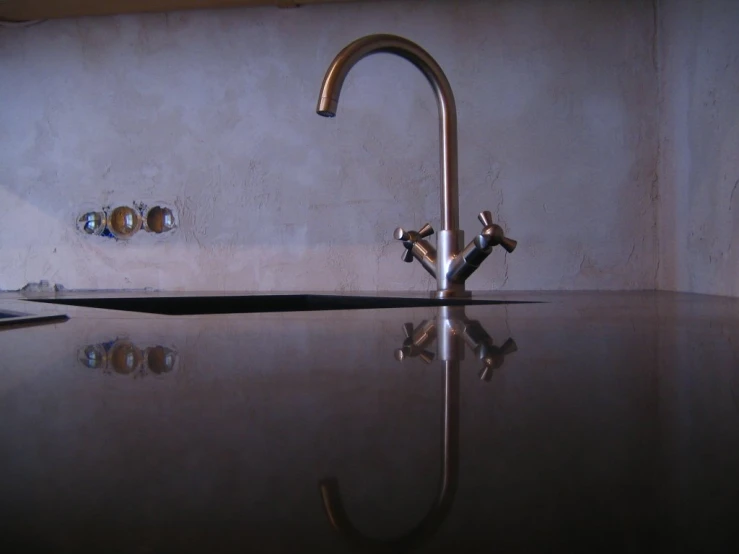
point(328, 103)
point(447, 483)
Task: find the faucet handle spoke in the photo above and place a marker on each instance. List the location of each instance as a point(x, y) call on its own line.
point(407, 255)
point(401, 234)
point(486, 218)
point(508, 244)
point(426, 231)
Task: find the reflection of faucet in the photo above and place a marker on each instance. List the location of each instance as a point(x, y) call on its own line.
point(455, 327)
point(451, 266)
point(337, 516)
point(451, 330)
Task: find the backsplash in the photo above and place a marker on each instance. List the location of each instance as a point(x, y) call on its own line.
point(214, 113)
point(699, 146)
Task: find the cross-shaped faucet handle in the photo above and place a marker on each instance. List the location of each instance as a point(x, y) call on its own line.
point(492, 234)
point(409, 238)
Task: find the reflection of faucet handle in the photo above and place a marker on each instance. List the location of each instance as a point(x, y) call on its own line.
point(417, 247)
point(493, 357)
point(416, 341)
point(492, 234)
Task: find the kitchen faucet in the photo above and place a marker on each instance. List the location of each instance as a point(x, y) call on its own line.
point(449, 263)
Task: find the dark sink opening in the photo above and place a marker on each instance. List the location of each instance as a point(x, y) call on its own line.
point(201, 305)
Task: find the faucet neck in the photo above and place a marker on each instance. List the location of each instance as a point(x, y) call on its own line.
point(345, 60)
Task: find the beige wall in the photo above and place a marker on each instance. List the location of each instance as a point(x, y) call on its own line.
point(699, 172)
point(214, 112)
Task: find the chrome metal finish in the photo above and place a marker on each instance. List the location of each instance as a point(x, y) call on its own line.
point(417, 247)
point(449, 242)
point(92, 223)
point(159, 220)
point(492, 234)
point(468, 260)
point(328, 103)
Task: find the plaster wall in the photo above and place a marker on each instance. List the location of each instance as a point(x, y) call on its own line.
point(214, 112)
point(699, 145)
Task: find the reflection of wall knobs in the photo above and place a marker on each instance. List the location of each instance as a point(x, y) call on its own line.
point(493, 357)
point(160, 359)
point(124, 357)
point(93, 356)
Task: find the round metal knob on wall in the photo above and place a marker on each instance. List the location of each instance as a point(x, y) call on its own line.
point(124, 222)
point(159, 220)
point(92, 223)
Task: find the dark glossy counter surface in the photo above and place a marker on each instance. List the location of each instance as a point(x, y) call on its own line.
point(611, 426)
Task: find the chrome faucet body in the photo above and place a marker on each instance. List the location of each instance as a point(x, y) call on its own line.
point(443, 262)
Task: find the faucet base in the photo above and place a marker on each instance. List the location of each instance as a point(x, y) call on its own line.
point(451, 293)
point(448, 245)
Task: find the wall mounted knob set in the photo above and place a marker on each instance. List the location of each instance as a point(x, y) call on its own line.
point(123, 222)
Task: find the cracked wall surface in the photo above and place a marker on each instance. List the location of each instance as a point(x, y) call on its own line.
point(214, 112)
point(699, 144)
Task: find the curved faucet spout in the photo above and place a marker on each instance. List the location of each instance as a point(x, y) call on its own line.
point(339, 519)
point(329, 100)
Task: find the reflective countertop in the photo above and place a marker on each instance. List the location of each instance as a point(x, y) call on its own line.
point(611, 425)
